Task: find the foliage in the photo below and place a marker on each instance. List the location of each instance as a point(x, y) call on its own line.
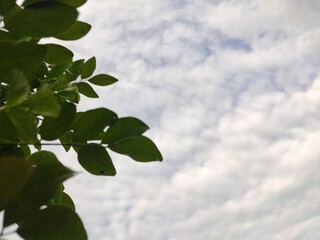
point(40, 86)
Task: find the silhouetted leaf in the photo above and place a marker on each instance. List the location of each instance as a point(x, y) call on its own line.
point(42, 157)
point(38, 190)
point(52, 223)
point(6, 5)
point(86, 90)
point(43, 102)
point(96, 160)
point(24, 56)
point(57, 54)
point(91, 124)
point(18, 88)
point(54, 128)
point(7, 129)
point(27, 132)
point(78, 30)
point(43, 19)
point(14, 173)
point(140, 148)
point(124, 128)
point(74, 70)
point(88, 68)
point(103, 80)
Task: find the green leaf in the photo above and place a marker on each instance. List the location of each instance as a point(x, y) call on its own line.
point(103, 80)
point(52, 223)
point(74, 70)
point(38, 190)
point(6, 6)
point(75, 3)
point(24, 56)
point(96, 160)
point(86, 90)
point(57, 70)
point(72, 96)
point(44, 103)
point(63, 199)
point(54, 128)
point(91, 123)
point(65, 140)
point(27, 132)
point(88, 68)
point(124, 128)
point(77, 31)
point(14, 173)
point(8, 131)
point(18, 89)
point(140, 148)
point(43, 19)
point(42, 157)
point(57, 54)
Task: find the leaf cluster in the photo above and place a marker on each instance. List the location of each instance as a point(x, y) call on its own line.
point(40, 88)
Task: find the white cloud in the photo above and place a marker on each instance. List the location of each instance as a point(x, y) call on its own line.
point(231, 93)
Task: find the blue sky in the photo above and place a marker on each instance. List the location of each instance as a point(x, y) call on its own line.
point(231, 91)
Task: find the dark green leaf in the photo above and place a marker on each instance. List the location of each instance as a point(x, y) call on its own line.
point(87, 90)
point(52, 223)
point(75, 3)
point(8, 131)
point(14, 173)
point(42, 157)
point(18, 88)
point(140, 148)
point(91, 123)
point(57, 54)
point(39, 189)
point(96, 160)
point(63, 199)
point(6, 5)
point(124, 128)
point(24, 56)
point(43, 102)
point(43, 19)
point(103, 80)
point(77, 31)
point(25, 124)
point(66, 140)
point(6, 36)
point(72, 96)
point(26, 150)
point(57, 70)
point(88, 68)
point(74, 70)
point(53, 128)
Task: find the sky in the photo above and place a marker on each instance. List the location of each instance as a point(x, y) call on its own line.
point(231, 92)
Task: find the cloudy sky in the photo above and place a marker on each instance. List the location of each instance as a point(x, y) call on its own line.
point(231, 92)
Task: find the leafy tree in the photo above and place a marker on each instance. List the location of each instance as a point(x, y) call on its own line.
point(40, 87)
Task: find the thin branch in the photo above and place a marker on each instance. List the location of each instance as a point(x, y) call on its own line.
point(55, 144)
